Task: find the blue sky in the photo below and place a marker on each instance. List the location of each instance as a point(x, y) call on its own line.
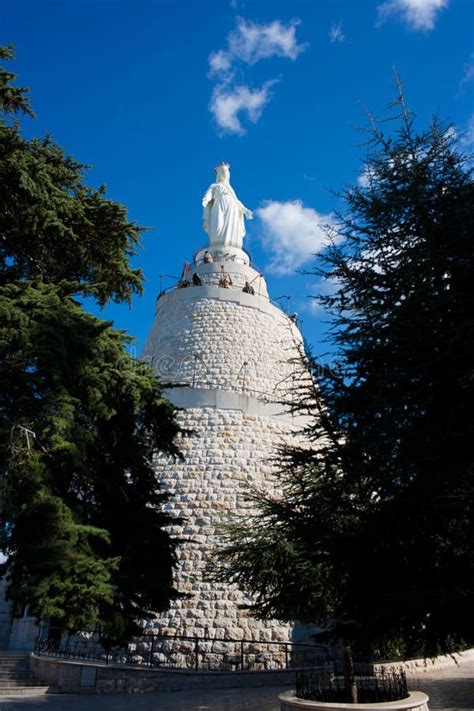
point(154, 94)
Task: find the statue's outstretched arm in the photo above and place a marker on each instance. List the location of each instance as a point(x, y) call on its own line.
point(207, 197)
point(248, 213)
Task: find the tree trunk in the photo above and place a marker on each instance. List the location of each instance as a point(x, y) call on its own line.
point(349, 678)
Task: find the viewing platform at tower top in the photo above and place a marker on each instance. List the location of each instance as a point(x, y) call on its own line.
point(229, 268)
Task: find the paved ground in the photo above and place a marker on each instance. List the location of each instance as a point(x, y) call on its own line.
point(222, 700)
point(449, 690)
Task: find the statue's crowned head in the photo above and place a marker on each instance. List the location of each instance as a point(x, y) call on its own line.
point(222, 171)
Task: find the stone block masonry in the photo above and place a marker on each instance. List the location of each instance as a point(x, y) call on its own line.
point(235, 357)
point(216, 338)
point(229, 452)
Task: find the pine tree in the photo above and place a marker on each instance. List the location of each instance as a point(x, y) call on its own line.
point(373, 536)
point(82, 516)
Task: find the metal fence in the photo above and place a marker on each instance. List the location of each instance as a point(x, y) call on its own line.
point(326, 685)
point(197, 653)
point(212, 281)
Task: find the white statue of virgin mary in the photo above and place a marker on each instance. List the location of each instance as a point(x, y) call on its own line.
point(223, 213)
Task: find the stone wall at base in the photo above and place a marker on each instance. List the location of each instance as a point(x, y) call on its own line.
point(81, 677)
point(5, 617)
point(17, 633)
point(443, 661)
point(228, 453)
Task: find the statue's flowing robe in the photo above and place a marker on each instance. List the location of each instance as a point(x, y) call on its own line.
point(223, 216)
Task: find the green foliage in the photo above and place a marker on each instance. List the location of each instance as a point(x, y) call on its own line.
point(373, 535)
point(404, 337)
point(82, 517)
point(46, 206)
point(13, 99)
point(55, 569)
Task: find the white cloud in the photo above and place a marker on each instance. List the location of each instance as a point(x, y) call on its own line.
point(418, 14)
point(291, 233)
point(364, 179)
point(468, 73)
point(220, 63)
point(451, 132)
point(247, 44)
point(467, 139)
point(313, 306)
point(336, 34)
point(369, 174)
point(252, 42)
point(323, 287)
point(227, 103)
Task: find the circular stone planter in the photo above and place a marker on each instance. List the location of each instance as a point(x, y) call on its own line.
point(416, 701)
